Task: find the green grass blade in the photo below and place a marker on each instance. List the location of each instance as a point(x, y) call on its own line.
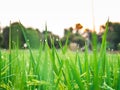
point(31, 54)
point(67, 75)
point(76, 75)
point(0, 67)
point(102, 58)
point(79, 63)
point(10, 56)
point(95, 60)
point(52, 56)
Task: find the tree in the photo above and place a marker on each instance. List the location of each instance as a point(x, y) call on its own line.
point(113, 36)
point(33, 36)
point(76, 38)
point(6, 37)
point(78, 27)
point(71, 37)
point(1, 40)
point(51, 39)
point(17, 38)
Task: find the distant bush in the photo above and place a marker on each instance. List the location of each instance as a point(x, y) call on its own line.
point(33, 36)
point(118, 46)
point(17, 38)
point(113, 36)
point(1, 40)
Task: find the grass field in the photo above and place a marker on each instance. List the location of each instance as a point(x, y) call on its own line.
point(55, 70)
point(52, 69)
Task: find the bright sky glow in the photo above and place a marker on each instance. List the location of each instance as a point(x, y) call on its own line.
point(58, 14)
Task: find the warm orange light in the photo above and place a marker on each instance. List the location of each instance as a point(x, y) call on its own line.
point(78, 26)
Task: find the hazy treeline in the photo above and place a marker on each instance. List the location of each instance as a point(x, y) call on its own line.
point(34, 36)
point(37, 38)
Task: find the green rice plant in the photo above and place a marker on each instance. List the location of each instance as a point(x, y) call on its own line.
point(31, 54)
point(86, 67)
point(67, 74)
point(39, 61)
point(52, 56)
point(65, 47)
point(76, 76)
point(0, 67)
point(118, 85)
point(10, 60)
point(95, 60)
point(115, 72)
point(79, 63)
point(103, 56)
point(71, 74)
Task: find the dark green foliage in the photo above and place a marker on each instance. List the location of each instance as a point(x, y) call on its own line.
point(67, 31)
point(16, 35)
point(51, 39)
point(17, 38)
point(72, 38)
point(77, 38)
point(1, 40)
point(113, 36)
point(6, 37)
point(33, 37)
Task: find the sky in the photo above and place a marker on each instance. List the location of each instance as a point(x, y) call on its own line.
point(59, 14)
